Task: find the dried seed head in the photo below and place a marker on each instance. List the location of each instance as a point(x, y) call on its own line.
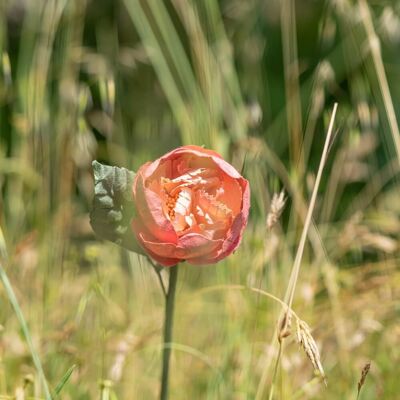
point(28, 380)
point(364, 374)
point(277, 204)
point(308, 344)
point(284, 326)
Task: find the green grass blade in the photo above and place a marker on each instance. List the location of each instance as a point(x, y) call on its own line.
point(161, 68)
point(21, 319)
point(24, 326)
point(64, 379)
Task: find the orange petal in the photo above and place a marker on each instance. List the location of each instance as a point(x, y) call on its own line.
point(197, 245)
point(166, 250)
point(231, 194)
point(234, 236)
point(149, 206)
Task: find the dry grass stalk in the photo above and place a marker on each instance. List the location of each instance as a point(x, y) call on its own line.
point(123, 348)
point(308, 344)
point(277, 204)
point(299, 254)
point(364, 374)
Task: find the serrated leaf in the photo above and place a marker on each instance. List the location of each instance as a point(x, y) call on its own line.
point(113, 208)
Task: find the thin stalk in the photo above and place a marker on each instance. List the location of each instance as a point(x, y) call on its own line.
point(168, 325)
point(288, 299)
point(272, 390)
point(376, 54)
point(21, 319)
point(299, 255)
point(160, 279)
point(24, 326)
point(161, 67)
point(292, 87)
point(105, 387)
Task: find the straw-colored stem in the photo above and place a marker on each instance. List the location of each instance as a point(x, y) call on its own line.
point(300, 250)
point(297, 262)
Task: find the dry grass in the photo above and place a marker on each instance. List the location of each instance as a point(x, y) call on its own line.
point(307, 342)
point(363, 376)
point(277, 205)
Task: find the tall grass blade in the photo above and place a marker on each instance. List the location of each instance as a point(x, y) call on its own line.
point(21, 319)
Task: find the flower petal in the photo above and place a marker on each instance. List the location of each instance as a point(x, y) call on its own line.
point(191, 246)
point(164, 261)
point(167, 250)
point(196, 245)
point(234, 236)
point(139, 230)
point(192, 205)
point(150, 209)
point(178, 153)
point(231, 194)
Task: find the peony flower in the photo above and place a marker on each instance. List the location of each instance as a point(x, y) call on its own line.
point(190, 205)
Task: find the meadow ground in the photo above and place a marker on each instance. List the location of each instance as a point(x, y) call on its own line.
point(125, 81)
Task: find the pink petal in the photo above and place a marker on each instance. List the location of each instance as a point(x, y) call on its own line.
point(190, 246)
point(229, 244)
point(231, 195)
point(166, 250)
point(174, 154)
point(164, 261)
point(139, 230)
point(235, 233)
point(150, 208)
point(196, 245)
point(200, 150)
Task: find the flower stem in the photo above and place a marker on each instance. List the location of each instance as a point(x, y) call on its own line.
point(168, 324)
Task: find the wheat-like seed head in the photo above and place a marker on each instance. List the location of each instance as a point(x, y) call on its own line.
point(364, 374)
point(277, 204)
point(309, 345)
point(285, 325)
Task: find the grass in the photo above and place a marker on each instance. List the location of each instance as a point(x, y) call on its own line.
point(126, 81)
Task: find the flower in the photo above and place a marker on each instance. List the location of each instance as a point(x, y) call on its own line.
point(190, 205)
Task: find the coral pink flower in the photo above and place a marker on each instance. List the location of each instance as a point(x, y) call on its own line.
point(191, 205)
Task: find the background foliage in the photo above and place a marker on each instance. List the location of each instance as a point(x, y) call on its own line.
point(125, 81)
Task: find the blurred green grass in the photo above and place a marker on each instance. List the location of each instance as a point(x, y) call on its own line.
point(124, 82)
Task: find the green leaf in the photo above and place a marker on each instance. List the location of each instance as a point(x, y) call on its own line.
point(113, 208)
point(64, 380)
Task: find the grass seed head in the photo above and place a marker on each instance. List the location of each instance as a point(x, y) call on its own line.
point(364, 374)
point(277, 205)
point(307, 342)
point(284, 326)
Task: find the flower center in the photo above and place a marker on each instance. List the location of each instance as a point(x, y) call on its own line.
point(192, 199)
point(170, 203)
point(178, 203)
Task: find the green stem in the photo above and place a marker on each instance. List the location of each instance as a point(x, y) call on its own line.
point(20, 316)
point(168, 324)
point(278, 359)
